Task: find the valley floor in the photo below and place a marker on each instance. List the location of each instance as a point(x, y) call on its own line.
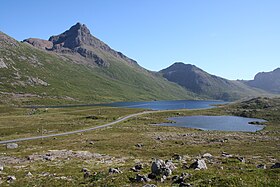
point(84, 159)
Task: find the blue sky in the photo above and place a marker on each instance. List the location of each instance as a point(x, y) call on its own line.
point(234, 39)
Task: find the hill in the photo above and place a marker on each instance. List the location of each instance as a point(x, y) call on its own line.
point(75, 67)
point(268, 81)
point(207, 85)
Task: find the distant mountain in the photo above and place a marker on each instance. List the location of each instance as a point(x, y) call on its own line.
point(269, 81)
point(205, 84)
point(76, 67)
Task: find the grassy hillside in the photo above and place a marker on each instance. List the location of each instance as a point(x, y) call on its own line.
point(33, 76)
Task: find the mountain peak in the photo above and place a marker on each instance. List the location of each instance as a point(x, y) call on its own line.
point(76, 36)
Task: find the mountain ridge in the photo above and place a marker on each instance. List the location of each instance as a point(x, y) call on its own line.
point(268, 81)
point(202, 83)
point(34, 75)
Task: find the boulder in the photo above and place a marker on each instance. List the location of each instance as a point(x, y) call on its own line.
point(276, 165)
point(159, 167)
point(261, 166)
point(177, 157)
point(114, 171)
point(87, 174)
point(12, 146)
point(207, 155)
point(142, 178)
point(29, 174)
point(11, 178)
point(241, 159)
point(199, 164)
point(1, 168)
point(137, 167)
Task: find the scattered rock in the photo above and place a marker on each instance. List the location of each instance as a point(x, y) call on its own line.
point(87, 174)
point(241, 159)
point(29, 174)
point(275, 166)
point(48, 158)
point(2, 64)
point(12, 146)
point(152, 176)
point(142, 178)
point(91, 142)
point(177, 157)
point(149, 185)
point(224, 154)
point(261, 166)
point(137, 167)
point(1, 168)
point(180, 179)
point(162, 168)
point(139, 145)
point(11, 178)
point(199, 164)
point(114, 171)
point(207, 155)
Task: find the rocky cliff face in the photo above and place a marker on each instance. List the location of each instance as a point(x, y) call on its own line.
point(269, 81)
point(78, 40)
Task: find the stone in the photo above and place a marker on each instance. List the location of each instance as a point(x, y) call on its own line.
point(29, 174)
point(224, 154)
point(1, 168)
point(142, 178)
point(48, 157)
point(149, 185)
point(114, 171)
point(275, 166)
point(87, 174)
point(156, 166)
point(199, 164)
point(207, 155)
point(177, 157)
point(241, 159)
point(137, 167)
point(152, 176)
point(12, 146)
point(11, 178)
point(139, 145)
point(261, 166)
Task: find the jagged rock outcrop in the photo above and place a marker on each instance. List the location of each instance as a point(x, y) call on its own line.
point(269, 81)
point(78, 40)
point(39, 43)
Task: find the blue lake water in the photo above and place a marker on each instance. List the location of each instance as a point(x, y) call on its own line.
point(220, 123)
point(167, 105)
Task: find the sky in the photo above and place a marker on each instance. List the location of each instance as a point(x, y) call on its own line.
point(234, 39)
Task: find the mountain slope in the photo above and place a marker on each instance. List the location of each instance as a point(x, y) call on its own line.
point(43, 73)
point(205, 84)
point(268, 81)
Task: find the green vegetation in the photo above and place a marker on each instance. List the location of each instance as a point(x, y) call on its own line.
point(71, 82)
point(117, 146)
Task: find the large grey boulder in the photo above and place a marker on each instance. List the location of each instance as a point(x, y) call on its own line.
point(159, 167)
point(199, 164)
point(12, 146)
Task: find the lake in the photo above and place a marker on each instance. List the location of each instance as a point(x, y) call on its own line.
point(220, 123)
point(167, 105)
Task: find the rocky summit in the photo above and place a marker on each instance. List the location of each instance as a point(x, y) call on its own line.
point(78, 40)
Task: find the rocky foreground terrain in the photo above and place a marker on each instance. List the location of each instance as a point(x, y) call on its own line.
point(136, 153)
